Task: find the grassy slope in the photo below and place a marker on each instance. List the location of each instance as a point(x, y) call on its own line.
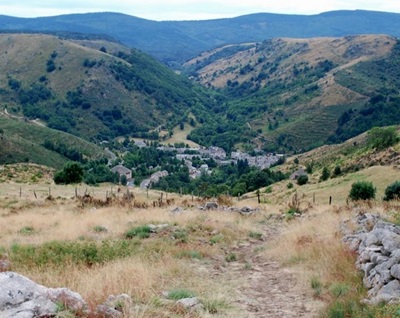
point(289, 77)
point(23, 141)
point(148, 95)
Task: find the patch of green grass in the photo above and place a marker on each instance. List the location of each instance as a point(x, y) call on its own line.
point(337, 290)
point(268, 189)
point(214, 306)
point(231, 257)
point(100, 229)
point(316, 285)
point(255, 235)
point(141, 232)
point(27, 230)
point(180, 293)
point(190, 254)
point(259, 249)
point(248, 266)
point(216, 239)
point(58, 253)
point(180, 235)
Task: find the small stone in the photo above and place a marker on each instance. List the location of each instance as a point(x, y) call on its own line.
point(189, 303)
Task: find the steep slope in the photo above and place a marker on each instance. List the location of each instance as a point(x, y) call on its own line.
point(93, 89)
point(289, 94)
point(30, 141)
point(177, 41)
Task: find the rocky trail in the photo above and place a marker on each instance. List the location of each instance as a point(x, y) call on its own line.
point(264, 288)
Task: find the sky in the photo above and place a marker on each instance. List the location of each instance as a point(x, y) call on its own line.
point(189, 9)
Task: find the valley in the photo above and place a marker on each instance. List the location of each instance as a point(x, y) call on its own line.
point(211, 168)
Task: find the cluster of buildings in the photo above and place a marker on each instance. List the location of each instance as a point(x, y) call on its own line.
point(187, 155)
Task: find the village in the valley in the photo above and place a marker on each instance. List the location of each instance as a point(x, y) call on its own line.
point(186, 155)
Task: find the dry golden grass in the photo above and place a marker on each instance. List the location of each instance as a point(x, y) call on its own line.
point(160, 263)
point(338, 188)
point(180, 135)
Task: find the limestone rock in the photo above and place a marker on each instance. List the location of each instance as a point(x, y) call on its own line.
point(21, 297)
point(192, 303)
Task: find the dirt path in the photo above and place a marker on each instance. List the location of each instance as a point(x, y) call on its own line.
point(264, 287)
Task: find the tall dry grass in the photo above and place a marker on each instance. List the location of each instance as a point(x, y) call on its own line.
point(159, 263)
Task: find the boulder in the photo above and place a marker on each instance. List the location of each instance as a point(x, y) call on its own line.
point(21, 297)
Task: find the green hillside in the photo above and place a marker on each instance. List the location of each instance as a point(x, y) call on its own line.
point(93, 89)
point(291, 95)
point(26, 141)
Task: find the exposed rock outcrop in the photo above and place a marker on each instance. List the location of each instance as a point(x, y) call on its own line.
point(21, 297)
point(378, 246)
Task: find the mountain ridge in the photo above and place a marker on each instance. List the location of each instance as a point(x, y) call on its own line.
point(174, 42)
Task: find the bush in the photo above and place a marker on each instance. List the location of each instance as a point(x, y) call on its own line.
point(325, 174)
point(71, 173)
point(362, 190)
point(140, 231)
point(337, 171)
point(381, 138)
point(392, 192)
point(301, 180)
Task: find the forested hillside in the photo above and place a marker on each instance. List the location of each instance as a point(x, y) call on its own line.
point(296, 94)
point(94, 89)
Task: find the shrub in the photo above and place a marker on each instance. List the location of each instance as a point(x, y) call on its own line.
point(337, 171)
point(325, 174)
point(362, 190)
point(289, 185)
point(301, 180)
point(142, 231)
point(381, 138)
point(71, 173)
point(392, 192)
point(255, 235)
point(180, 235)
point(231, 257)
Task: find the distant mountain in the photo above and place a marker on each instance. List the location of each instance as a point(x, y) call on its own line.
point(177, 41)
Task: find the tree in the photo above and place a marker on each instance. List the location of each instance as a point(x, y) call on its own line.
point(123, 180)
point(71, 173)
point(392, 192)
point(310, 167)
point(301, 180)
point(337, 171)
point(381, 138)
point(362, 190)
point(325, 174)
